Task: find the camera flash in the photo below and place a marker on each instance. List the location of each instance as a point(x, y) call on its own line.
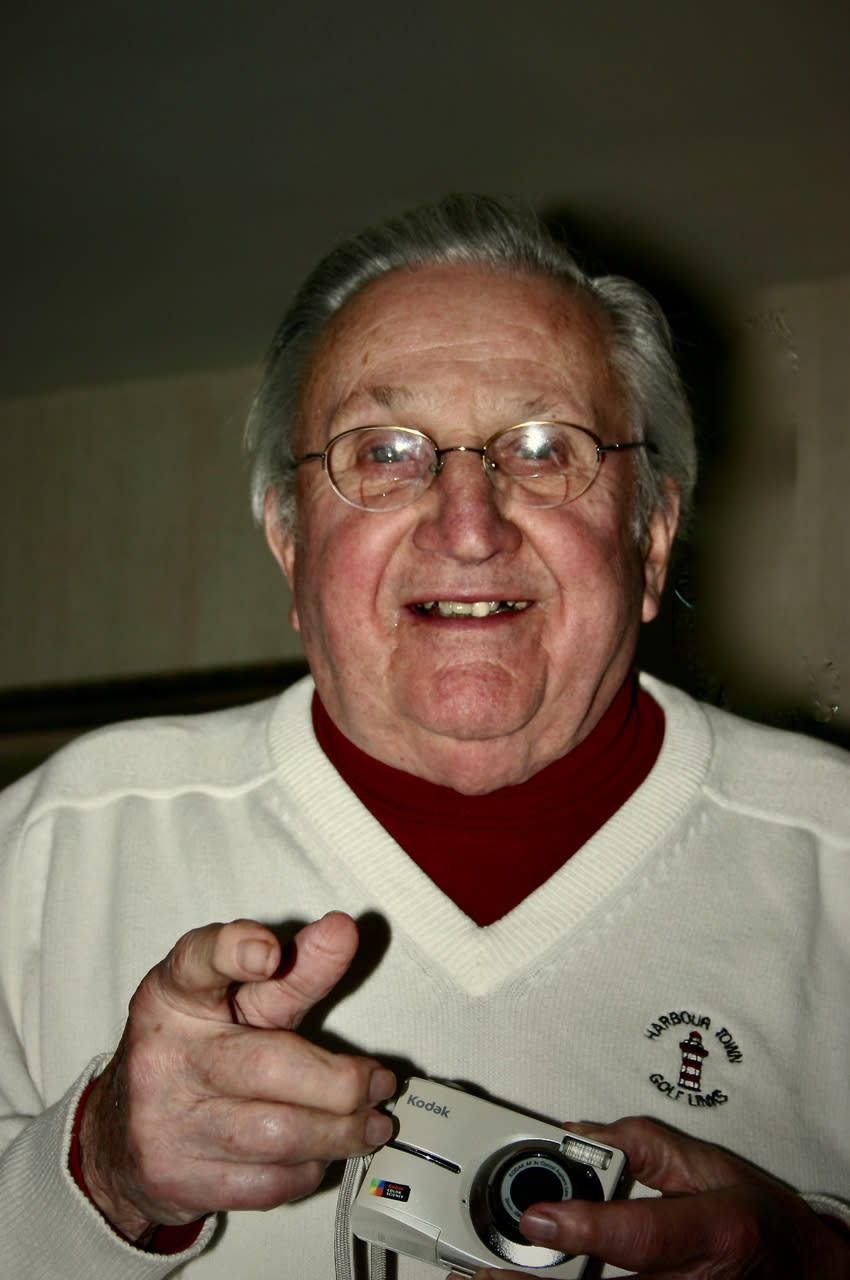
point(585, 1152)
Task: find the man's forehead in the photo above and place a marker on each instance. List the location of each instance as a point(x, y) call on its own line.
point(404, 337)
point(406, 287)
point(444, 307)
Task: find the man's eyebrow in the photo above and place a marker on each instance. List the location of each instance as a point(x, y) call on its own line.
point(531, 409)
point(396, 398)
point(388, 396)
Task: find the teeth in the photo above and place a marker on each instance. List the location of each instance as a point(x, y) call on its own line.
point(466, 608)
point(469, 608)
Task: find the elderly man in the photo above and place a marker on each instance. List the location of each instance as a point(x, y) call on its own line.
point(580, 894)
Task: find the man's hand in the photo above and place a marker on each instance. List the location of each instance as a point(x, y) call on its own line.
point(211, 1100)
point(717, 1218)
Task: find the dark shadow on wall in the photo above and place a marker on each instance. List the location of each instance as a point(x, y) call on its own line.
point(685, 644)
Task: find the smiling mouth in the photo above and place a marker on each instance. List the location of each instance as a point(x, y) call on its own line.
point(468, 608)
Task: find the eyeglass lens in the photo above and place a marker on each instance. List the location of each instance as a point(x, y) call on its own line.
point(536, 464)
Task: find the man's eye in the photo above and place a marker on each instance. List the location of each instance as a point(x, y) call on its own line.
point(387, 452)
point(534, 450)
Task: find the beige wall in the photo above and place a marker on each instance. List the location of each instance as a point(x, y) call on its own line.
point(126, 541)
point(127, 545)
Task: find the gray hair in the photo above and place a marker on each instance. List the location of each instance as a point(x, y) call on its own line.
point(478, 231)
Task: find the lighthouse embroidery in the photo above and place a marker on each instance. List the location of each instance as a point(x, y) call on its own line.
point(681, 1034)
point(694, 1054)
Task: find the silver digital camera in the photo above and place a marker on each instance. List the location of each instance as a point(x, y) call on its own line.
point(452, 1183)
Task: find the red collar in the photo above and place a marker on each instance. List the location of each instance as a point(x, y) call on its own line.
point(489, 852)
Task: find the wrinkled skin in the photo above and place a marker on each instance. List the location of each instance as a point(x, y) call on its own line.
point(473, 704)
point(212, 1100)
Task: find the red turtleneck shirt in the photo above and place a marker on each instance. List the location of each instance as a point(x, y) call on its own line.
point(489, 852)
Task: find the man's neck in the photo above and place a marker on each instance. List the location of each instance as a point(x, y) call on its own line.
point(478, 766)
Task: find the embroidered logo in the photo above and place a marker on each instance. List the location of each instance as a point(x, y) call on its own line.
point(694, 1058)
point(690, 1073)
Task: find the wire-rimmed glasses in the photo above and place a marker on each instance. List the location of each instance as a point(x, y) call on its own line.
point(535, 464)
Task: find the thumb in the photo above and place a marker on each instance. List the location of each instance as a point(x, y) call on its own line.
point(315, 960)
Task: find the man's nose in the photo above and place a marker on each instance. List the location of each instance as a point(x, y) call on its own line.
point(461, 515)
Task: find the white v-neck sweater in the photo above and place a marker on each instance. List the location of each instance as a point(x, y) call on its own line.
point(714, 904)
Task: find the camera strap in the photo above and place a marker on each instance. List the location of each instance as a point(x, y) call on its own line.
point(345, 1258)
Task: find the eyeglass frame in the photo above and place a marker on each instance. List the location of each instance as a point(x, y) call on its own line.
point(601, 451)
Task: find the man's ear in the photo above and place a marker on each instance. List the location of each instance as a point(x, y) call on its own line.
point(282, 546)
point(656, 546)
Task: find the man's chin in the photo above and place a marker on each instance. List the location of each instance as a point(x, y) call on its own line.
point(474, 764)
point(473, 710)
point(471, 748)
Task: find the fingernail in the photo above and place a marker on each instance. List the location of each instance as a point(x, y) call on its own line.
point(538, 1227)
point(381, 1085)
point(378, 1130)
point(253, 956)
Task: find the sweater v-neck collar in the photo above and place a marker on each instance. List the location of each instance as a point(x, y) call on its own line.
point(371, 873)
point(489, 852)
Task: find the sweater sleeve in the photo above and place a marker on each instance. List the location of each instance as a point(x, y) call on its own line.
point(47, 1224)
point(836, 1212)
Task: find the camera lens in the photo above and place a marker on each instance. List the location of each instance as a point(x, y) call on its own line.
point(533, 1185)
point(520, 1180)
point(513, 1179)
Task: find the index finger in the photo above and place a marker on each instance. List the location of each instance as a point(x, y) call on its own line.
point(202, 967)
